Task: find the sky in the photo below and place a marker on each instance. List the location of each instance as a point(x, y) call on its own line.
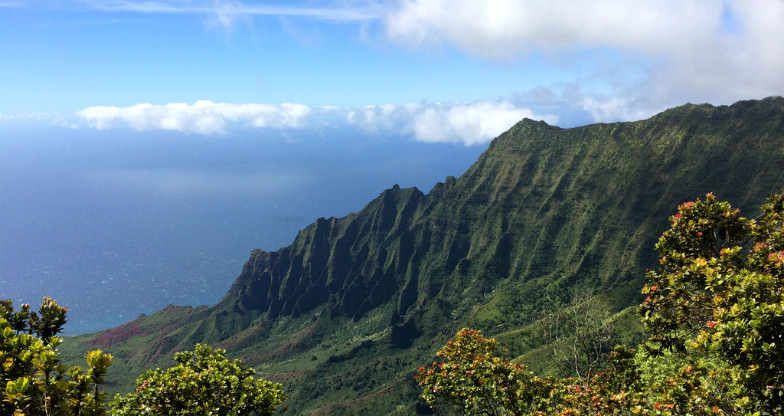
point(458, 71)
point(146, 147)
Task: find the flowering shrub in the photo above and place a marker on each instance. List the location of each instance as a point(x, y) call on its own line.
point(721, 295)
point(470, 377)
point(715, 313)
point(203, 382)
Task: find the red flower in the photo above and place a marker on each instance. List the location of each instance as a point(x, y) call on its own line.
point(777, 257)
point(710, 324)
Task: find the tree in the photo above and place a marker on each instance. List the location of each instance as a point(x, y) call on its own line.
point(203, 382)
point(33, 380)
point(580, 335)
point(715, 312)
point(679, 299)
point(720, 293)
point(473, 379)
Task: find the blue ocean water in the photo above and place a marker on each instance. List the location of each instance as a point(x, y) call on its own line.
point(116, 223)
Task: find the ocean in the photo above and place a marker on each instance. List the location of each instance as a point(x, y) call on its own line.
point(113, 224)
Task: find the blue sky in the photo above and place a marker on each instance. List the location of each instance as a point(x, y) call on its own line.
point(460, 70)
point(147, 146)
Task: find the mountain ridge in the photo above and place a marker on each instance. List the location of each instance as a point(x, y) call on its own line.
point(355, 304)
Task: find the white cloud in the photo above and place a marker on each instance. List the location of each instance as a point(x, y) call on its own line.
point(500, 28)
point(457, 123)
point(202, 117)
point(469, 124)
point(629, 58)
point(612, 108)
point(226, 13)
point(661, 52)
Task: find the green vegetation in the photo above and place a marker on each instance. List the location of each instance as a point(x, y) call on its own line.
point(203, 382)
point(545, 218)
point(32, 378)
point(470, 377)
point(715, 312)
point(35, 382)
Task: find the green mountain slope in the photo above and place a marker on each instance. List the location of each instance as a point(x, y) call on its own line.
point(346, 314)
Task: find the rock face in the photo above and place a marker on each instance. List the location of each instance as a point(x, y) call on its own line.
point(541, 202)
point(343, 263)
point(347, 312)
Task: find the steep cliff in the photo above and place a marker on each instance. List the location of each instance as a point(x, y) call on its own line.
point(345, 314)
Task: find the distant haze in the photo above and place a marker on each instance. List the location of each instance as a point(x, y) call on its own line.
point(117, 223)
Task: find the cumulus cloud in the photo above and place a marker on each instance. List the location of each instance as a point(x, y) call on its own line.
point(612, 108)
point(202, 117)
point(500, 28)
point(716, 51)
point(457, 123)
point(469, 124)
point(630, 58)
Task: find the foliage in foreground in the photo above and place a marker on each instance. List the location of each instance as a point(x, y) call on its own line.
point(32, 379)
point(34, 382)
point(715, 313)
point(203, 382)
